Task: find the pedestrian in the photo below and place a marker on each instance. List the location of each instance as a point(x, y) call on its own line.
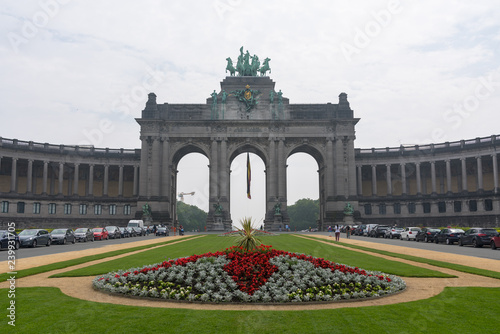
point(348, 231)
point(329, 230)
point(337, 233)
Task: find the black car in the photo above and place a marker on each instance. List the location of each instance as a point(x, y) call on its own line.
point(84, 234)
point(162, 231)
point(114, 232)
point(34, 237)
point(125, 232)
point(448, 235)
point(139, 231)
point(359, 230)
point(379, 231)
point(62, 236)
point(427, 234)
point(477, 237)
point(6, 236)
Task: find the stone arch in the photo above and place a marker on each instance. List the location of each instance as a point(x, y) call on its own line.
point(185, 150)
point(248, 147)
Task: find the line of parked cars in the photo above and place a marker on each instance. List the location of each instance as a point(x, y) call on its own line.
point(62, 236)
point(477, 237)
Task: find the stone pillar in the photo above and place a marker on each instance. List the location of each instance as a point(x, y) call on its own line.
point(281, 171)
point(13, 176)
point(143, 178)
point(224, 171)
point(374, 180)
point(329, 168)
point(271, 173)
point(388, 179)
point(29, 185)
point(136, 180)
point(433, 177)
point(495, 173)
point(166, 169)
point(418, 178)
point(45, 177)
point(403, 178)
point(75, 179)
point(91, 180)
point(120, 181)
point(448, 176)
point(61, 178)
point(106, 180)
point(155, 168)
point(214, 168)
point(339, 182)
point(479, 173)
point(349, 167)
point(464, 174)
point(360, 180)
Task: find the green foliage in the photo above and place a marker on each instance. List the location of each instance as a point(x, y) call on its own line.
point(304, 214)
point(247, 237)
point(191, 217)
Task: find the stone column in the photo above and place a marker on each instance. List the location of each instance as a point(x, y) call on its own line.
point(281, 170)
point(75, 179)
point(136, 180)
point(155, 168)
point(329, 168)
point(224, 170)
point(106, 180)
point(120, 181)
point(45, 177)
point(479, 173)
point(166, 169)
point(91, 180)
point(464, 174)
point(143, 178)
point(403, 178)
point(495, 173)
point(418, 178)
point(214, 193)
point(388, 179)
point(29, 186)
point(349, 167)
point(433, 177)
point(271, 172)
point(339, 182)
point(13, 176)
point(360, 180)
point(61, 178)
point(448, 176)
point(374, 180)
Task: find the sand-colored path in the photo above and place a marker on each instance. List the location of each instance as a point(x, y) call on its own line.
point(417, 288)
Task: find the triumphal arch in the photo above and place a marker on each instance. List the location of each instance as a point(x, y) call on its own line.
point(247, 114)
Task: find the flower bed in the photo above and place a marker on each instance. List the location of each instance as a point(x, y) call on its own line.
point(262, 275)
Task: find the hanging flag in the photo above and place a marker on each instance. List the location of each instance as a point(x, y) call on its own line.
point(249, 176)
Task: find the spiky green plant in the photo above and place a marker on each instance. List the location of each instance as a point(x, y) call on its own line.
point(247, 237)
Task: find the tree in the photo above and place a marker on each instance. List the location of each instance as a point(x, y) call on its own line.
point(191, 217)
point(304, 214)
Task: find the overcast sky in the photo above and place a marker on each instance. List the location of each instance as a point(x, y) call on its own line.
point(77, 72)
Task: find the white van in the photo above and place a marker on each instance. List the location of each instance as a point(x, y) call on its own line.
point(135, 223)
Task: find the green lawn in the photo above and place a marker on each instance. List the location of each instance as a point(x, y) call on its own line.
point(456, 310)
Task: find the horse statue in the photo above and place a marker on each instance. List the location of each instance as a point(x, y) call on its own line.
point(230, 66)
point(255, 65)
point(265, 67)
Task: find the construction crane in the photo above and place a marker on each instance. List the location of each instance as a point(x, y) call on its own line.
point(181, 195)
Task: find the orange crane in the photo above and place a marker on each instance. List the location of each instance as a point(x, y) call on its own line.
point(181, 195)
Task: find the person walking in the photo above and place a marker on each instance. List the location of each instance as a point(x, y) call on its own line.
point(329, 231)
point(337, 233)
point(348, 231)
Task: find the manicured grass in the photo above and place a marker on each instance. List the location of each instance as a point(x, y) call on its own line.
point(291, 243)
point(453, 266)
point(455, 310)
point(209, 243)
point(69, 263)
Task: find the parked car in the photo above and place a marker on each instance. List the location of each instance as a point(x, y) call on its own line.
point(84, 234)
point(477, 237)
point(448, 235)
point(139, 231)
point(368, 229)
point(125, 232)
point(62, 236)
point(495, 242)
point(409, 233)
point(427, 234)
point(379, 231)
point(162, 231)
point(393, 232)
point(359, 230)
point(5, 236)
point(100, 233)
point(34, 237)
point(114, 232)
